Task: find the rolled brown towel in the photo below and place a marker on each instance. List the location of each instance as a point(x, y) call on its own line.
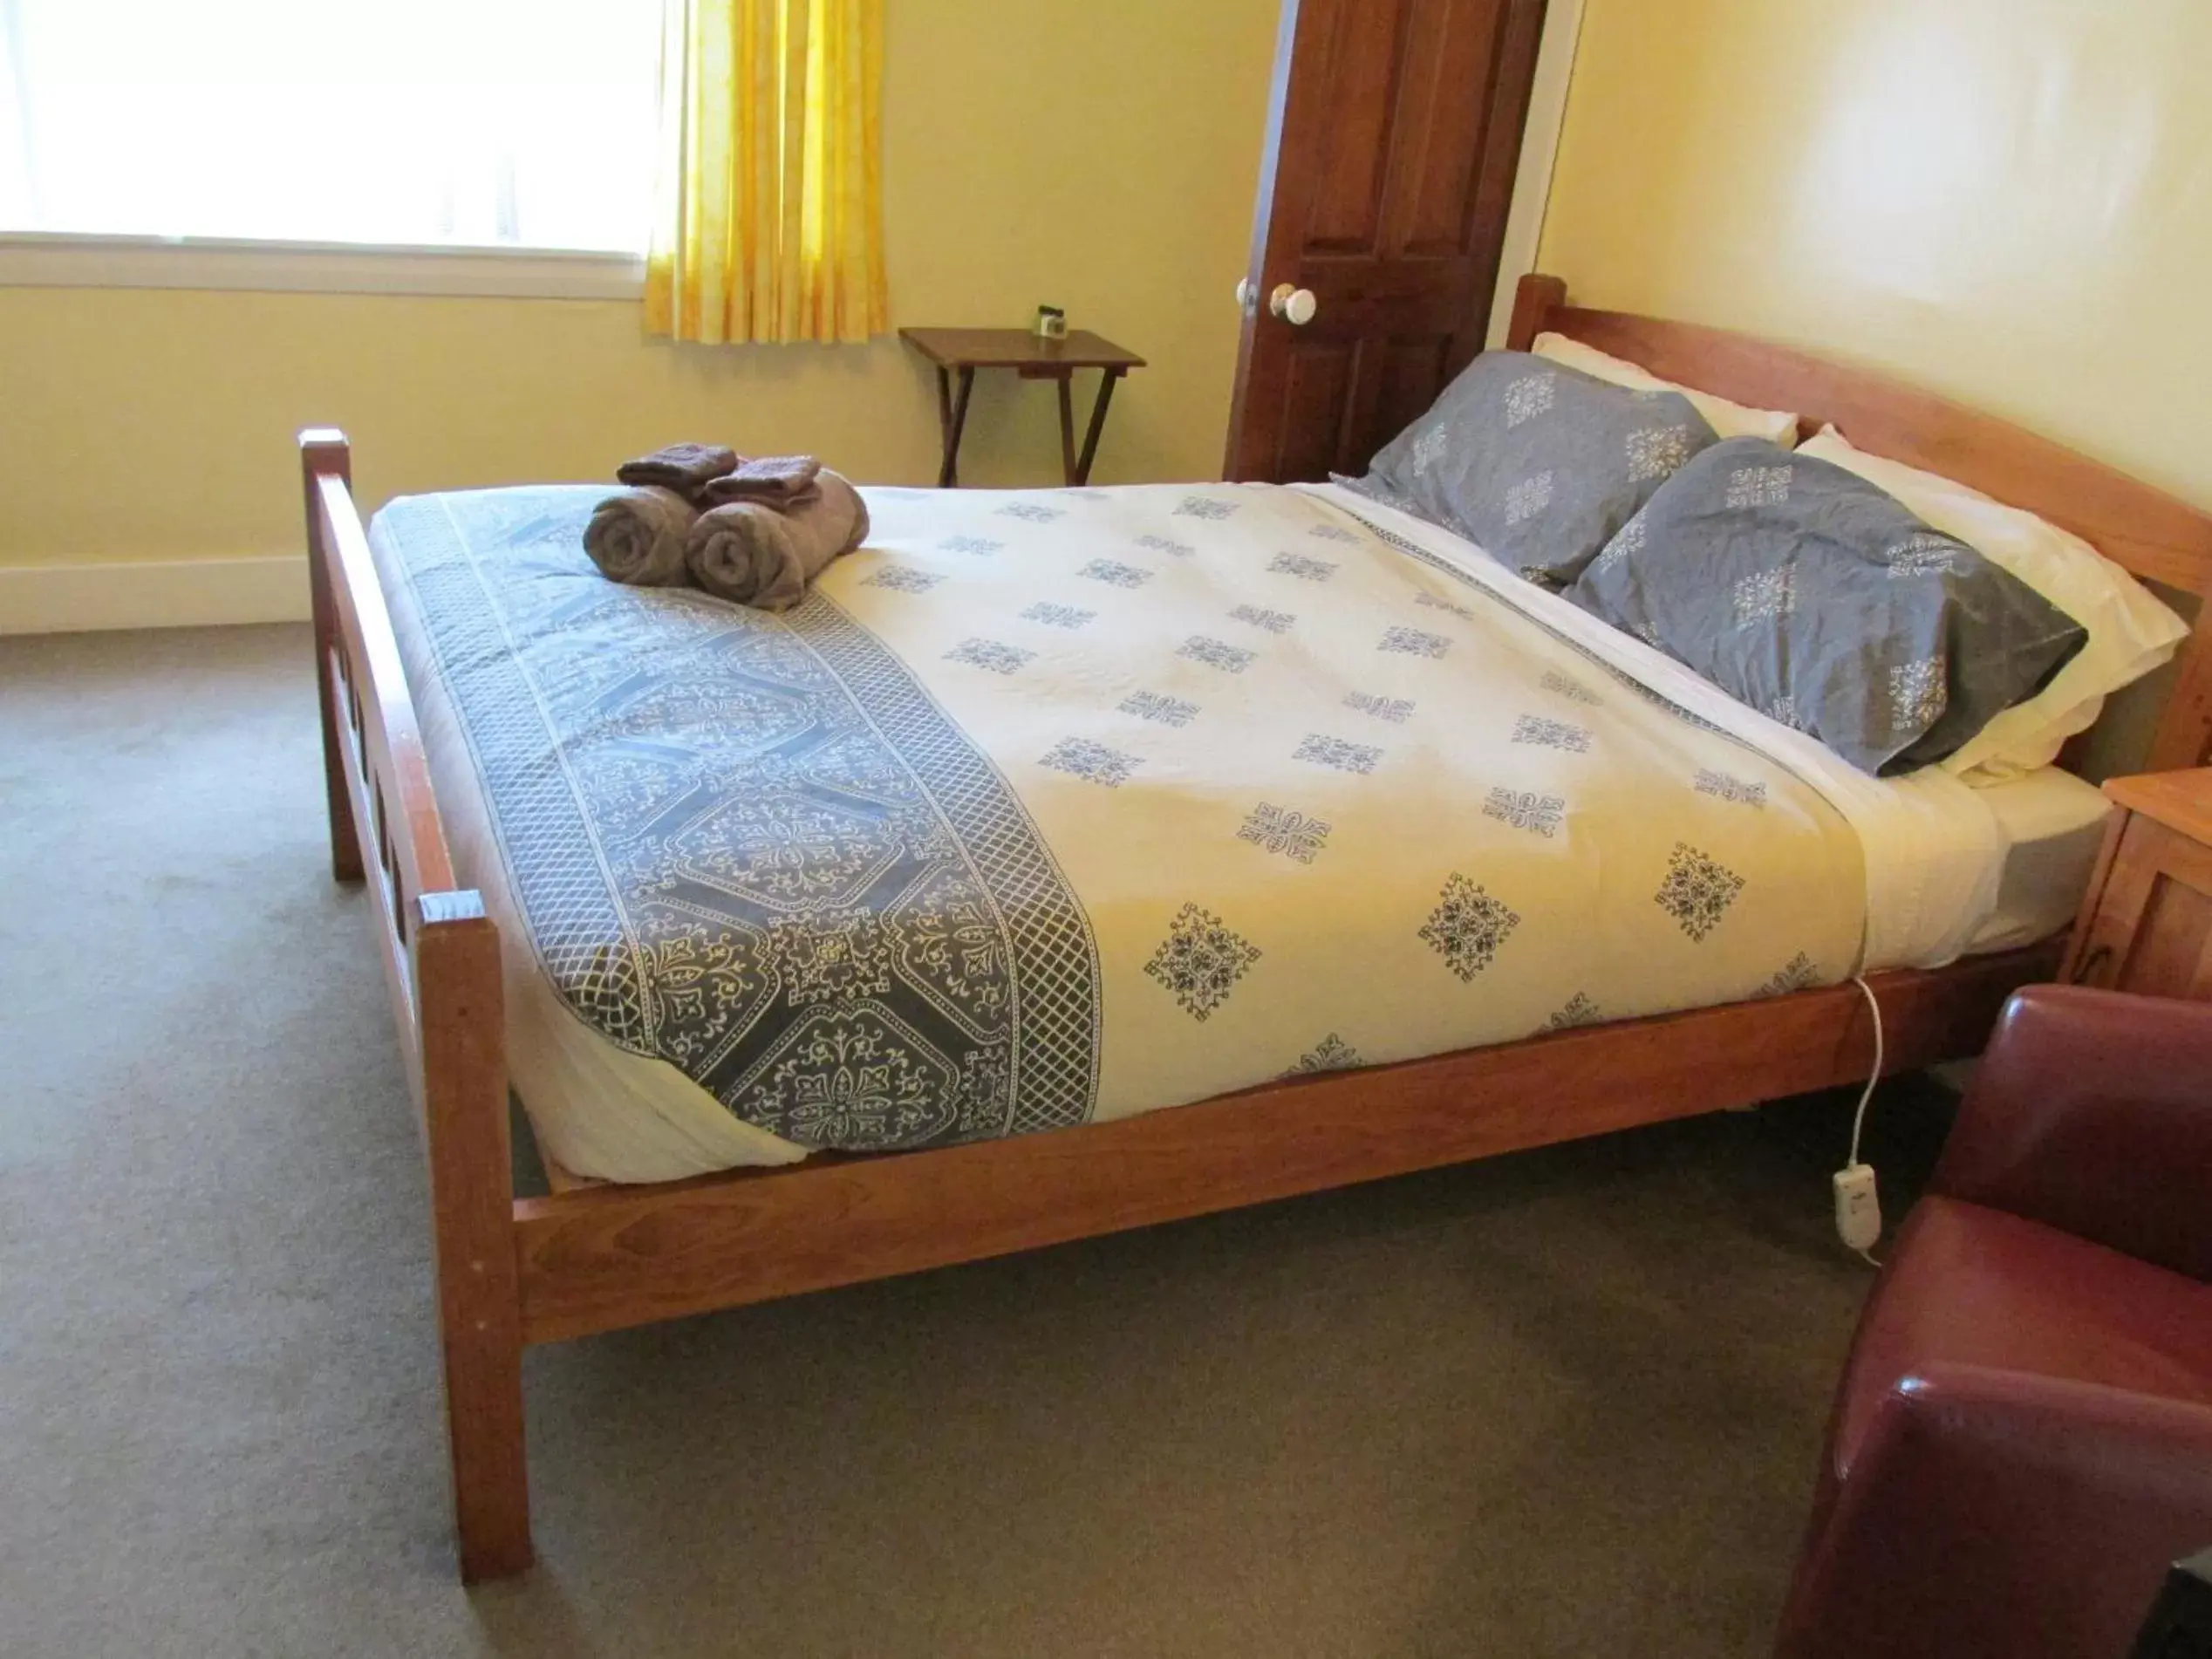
point(638, 537)
point(780, 480)
point(684, 468)
point(761, 556)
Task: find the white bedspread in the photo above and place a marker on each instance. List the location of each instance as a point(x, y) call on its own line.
point(1325, 797)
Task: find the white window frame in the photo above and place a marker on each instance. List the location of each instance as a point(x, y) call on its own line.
point(52, 259)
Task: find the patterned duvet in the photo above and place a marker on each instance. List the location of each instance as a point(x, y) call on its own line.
point(1062, 805)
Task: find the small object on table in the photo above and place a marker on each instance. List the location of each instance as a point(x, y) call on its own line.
point(1052, 323)
point(2145, 922)
point(966, 350)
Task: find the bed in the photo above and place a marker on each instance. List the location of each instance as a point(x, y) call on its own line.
point(1074, 860)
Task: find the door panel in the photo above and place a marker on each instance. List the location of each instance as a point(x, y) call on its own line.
point(1391, 148)
point(1431, 197)
point(1346, 204)
point(1319, 384)
point(1408, 375)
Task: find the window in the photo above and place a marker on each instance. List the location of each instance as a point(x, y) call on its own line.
point(473, 123)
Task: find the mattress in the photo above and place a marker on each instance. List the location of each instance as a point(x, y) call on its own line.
point(2052, 825)
point(1052, 807)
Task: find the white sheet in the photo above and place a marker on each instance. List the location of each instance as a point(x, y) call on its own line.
point(2052, 825)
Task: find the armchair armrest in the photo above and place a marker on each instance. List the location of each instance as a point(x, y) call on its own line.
point(2092, 1112)
point(1996, 1512)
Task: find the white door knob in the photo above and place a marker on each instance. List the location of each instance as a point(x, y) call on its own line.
point(1294, 305)
point(1244, 293)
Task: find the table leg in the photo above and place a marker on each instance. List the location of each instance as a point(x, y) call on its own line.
point(1079, 471)
point(952, 419)
point(1064, 383)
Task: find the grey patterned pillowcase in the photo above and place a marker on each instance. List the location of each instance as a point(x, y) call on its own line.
point(1539, 463)
point(1810, 594)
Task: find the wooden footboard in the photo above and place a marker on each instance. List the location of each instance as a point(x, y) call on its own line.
point(545, 1269)
point(440, 957)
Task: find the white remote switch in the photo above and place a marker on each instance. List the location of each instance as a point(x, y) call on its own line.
point(1858, 1208)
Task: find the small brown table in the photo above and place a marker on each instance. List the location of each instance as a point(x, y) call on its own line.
point(2142, 922)
point(968, 350)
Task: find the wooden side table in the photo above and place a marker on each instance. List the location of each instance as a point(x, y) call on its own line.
point(2145, 923)
point(966, 350)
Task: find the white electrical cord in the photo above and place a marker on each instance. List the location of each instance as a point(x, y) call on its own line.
point(1858, 1205)
point(1858, 1117)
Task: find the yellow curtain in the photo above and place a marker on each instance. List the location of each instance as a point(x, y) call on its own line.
point(767, 214)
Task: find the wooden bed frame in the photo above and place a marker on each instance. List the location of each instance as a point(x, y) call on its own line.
point(514, 1271)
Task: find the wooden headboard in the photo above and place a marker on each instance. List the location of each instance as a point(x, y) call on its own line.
point(2147, 531)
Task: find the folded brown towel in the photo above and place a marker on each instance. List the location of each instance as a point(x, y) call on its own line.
point(763, 556)
point(682, 467)
point(638, 537)
point(780, 480)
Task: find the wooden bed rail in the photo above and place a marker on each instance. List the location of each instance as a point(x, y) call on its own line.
point(440, 955)
point(610, 1256)
point(384, 817)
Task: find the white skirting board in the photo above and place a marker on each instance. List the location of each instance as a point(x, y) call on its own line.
point(179, 593)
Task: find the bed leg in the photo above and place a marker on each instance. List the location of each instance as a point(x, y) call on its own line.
point(472, 1197)
point(324, 453)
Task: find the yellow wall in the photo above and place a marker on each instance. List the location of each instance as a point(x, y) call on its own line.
point(1103, 158)
point(2007, 200)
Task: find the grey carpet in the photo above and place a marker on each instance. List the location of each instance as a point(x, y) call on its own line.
point(1566, 1403)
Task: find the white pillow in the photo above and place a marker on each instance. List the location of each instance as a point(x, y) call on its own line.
point(1729, 420)
point(2130, 632)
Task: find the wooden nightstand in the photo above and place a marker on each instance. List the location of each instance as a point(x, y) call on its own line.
point(2145, 924)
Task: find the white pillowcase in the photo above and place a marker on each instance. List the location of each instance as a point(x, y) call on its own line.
point(1729, 420)
point(2130, 632)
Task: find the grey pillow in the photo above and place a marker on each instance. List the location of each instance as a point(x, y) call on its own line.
point(1810, 594)
point(1539, 463)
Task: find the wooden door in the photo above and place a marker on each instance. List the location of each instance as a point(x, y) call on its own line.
point(1393, 134)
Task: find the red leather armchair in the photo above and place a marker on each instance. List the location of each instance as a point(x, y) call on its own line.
point(2023, 1439)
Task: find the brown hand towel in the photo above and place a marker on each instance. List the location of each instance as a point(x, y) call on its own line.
point(778, 480)
point(764, 557)
point(683, 468)
point(638, 537)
